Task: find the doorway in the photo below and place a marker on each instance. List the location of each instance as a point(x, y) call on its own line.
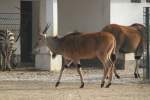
point(26, 32)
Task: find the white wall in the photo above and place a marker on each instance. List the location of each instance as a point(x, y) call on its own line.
point(7, 6)
point(82, 15)
point(124, 12)
point(35, 20)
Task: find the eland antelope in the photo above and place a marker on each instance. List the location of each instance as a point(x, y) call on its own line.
point(85, 46)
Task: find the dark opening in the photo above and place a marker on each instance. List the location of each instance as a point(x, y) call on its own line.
point(148, 1)
point(136, 1)
point(26, 32)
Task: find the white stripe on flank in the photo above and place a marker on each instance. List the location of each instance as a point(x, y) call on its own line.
point(12, 38)
point(10, 33)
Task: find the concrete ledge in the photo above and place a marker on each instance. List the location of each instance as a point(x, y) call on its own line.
point(42, 61)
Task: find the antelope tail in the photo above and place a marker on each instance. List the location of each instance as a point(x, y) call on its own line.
point(113, 55)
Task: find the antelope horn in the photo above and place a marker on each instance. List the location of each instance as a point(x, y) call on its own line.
point(46, 28)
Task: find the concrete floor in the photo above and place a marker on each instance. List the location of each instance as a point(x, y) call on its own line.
point(40, 85)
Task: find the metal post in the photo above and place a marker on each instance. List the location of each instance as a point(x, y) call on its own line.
point(147, 24)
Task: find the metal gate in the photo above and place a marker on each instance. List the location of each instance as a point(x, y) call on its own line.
point(10, 21)
point(146, 12)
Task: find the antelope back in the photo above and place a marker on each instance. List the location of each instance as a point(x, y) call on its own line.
point(140, 28)
point(127, 37)
point(86, 45)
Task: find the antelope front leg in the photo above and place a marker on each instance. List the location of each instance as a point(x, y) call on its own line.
point(80, 73)
point(60, 75)
point(115, 72)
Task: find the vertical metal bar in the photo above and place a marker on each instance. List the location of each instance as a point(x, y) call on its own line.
point(147, 15)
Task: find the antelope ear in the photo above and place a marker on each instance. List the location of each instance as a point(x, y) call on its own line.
point(43, 35)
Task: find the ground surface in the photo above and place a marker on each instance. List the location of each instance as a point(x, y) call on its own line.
point(40, 85)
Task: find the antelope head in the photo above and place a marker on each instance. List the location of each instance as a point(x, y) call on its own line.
point(41, 41)
point(42, 35)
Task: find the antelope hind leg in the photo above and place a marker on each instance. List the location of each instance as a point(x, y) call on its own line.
point(136, 72)
point(109, 74)
point(80, 73)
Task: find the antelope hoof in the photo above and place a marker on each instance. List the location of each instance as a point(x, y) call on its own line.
point(56, 85)
point(107, 86)
point(82, 85)
point(118, 77)
point(135, 75)
point(9, 69)
point(138, 75)
point(102, 84)
point(66, 66)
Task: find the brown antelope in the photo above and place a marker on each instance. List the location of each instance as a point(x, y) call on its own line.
point(68, 63)
point(85, 46)
point(130, 39)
